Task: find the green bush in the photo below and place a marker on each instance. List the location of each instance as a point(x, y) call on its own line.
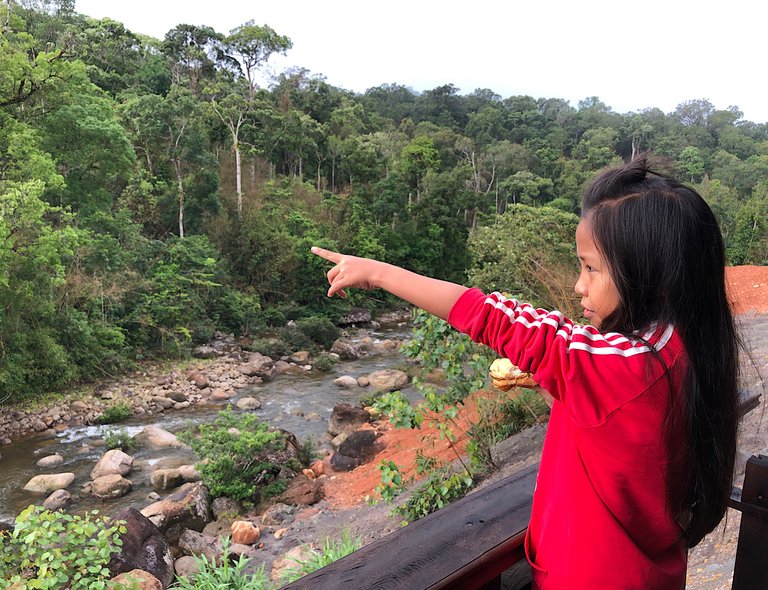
point(53, 550)
point(214, 575)
point(296, 339)
point(272, 347)
point(439, 489)
point(324, 362)
point(233, 453)
point(331, 551)
point(119, 439)
point(115, 413)
point(320, 330)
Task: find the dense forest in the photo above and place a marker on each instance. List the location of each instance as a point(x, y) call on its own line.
point(151, 192)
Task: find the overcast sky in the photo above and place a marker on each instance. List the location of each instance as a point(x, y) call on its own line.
point(632, 55)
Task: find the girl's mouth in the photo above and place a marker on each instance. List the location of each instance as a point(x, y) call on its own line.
point(588, 313)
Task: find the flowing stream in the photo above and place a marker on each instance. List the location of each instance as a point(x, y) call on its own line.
point(300, 404)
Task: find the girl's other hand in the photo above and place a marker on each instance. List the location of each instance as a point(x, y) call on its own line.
point(349, 271)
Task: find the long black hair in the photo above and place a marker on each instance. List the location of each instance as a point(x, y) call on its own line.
point(665, 254)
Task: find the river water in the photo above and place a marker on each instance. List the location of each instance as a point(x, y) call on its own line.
point(300, 404)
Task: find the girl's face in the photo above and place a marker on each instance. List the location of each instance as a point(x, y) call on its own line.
point(599, 296)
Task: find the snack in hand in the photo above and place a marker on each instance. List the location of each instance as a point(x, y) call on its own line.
point(505, 375)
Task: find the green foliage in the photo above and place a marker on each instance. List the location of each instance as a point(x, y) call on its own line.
point(331, 551)
point(119, 439)
point(324, 362)
point(216, 574)
point(57, 550)
point(392, 482)
point(530, 253)
point(116, 413)
point(319, 330)
point(234, 454)
point(439, 489)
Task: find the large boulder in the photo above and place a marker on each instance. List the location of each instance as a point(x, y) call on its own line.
point(346, 382)
point(258, 365)
point(194, 543)
point(347, 350)
point(187, 508)
point(50, 461)
point(357, 315)
point(303, 492)
point(110, 486)
point(58, 499)
point(166, 479)
point(346, 418)
point(144, 547)
point(359, 444)
point(114, 461)
point(388, 380)
point(49, 482)
point(158, 438)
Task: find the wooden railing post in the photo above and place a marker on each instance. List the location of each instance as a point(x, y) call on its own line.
point(751, 568)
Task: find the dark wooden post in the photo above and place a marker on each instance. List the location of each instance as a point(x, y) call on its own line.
point(751, 568)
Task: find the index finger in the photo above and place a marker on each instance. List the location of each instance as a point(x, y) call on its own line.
point(334, 257)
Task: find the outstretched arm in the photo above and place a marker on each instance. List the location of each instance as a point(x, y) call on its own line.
point(433, 295)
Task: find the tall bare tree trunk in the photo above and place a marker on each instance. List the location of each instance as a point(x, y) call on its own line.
point(7, 27)
point(180, 181)
point(239, 181)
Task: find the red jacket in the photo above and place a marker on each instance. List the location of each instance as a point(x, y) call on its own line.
point(599, 518)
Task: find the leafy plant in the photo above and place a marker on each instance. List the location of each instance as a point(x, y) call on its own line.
point(392, 483)
point(324, 362)
point(320, 330)
point(234, 453)
point(439, 489)
point(53, 550)
point(116, 413)
point(217, 574)
point(119, 439)
point(331, 551)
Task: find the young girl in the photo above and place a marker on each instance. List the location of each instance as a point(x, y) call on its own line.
point(637, 463)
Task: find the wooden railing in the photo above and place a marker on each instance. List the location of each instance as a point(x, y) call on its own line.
point(466, 545)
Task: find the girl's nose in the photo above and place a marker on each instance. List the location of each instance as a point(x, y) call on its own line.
point(580, 287)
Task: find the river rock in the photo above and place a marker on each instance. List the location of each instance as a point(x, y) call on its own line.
point(186, 567)
point(144, 547)
point(358, 315)
point(158, 438)
point(341, 462)
point(287, 562)
point(110, 486)
point(58, 499)
point(78, 406)
point(166, 479)
point(49, 482)
point(224, 506)
point(359, 444)
point(200, 380)
point(248, 403)
point(162, 402)
point(136, 580)
point(303, 492)
point(189, 473)
point(38, 425)
point(346, 349)
point(205, 351)
point(50, 461)
point(388, 380)
point(300, 357)
point(187, 508)
point(177, 396)
point(114, 461)
point(277, 514)
point(346, 417)
point(385, 346)
point(220, 395)
point(258, 365)
point(363, 381)
point(195, 543)
point(346, 382)
point(244, 532)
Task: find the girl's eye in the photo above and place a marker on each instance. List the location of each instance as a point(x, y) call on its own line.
point(589, 268)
